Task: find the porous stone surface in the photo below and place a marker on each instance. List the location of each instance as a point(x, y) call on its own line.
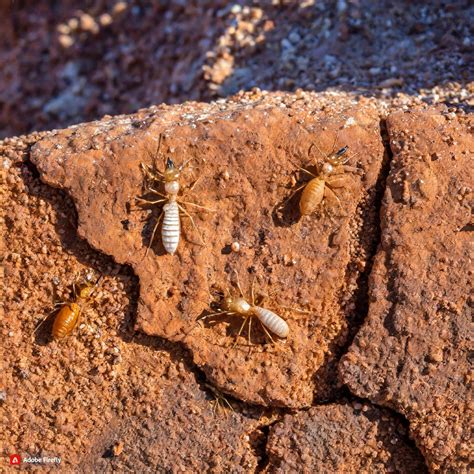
point(246, 153)
point(342, 438)
point(413, 352)
point(105, 385)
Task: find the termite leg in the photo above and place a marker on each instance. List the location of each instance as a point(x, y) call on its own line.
point(309, 172)
point(227, 402)
point(154, 191)
point(252, 291)
point(97, 283)
point(266, 332)
point(146, 201)
point(45, 318)
point(185, 163)
point(292, 194)
point(78, 316)
point(328, 187)
point(330, 195)
point(338, 181)
point(153, 157)
point(317, 148)
point(334, 143)
point(198, 206)
point(151, 174)
point(194, 184)
point(193, 223)
point(218, 313)
point(352, 169)
point(250, 331)
point(238, 283)
point(153, 233)
point(240, 331)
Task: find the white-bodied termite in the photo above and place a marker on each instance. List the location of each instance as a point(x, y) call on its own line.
point(171, 228)
point(240, 305)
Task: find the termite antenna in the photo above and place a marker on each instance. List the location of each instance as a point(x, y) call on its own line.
point(238, 283)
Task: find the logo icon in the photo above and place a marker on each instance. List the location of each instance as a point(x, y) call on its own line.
point(15, 460)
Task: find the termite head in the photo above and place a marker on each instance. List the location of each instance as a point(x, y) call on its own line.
point(342, 151)
point(333, 160)
point(85, 291)
point(236, 305)
point(171, 172)
point(338, 158)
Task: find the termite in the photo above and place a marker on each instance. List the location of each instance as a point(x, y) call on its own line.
point(239, 305)
point(171, 228)
point(68, 316)
point(330, 176)
point(220, 401)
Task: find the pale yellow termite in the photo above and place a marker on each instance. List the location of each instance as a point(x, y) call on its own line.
point(220, 401)
point(239, 305)
point(330, 176)
point(171, 228)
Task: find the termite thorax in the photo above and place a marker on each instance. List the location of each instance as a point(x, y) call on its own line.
point(238, 305)
point(327, 169)
point(172, 187)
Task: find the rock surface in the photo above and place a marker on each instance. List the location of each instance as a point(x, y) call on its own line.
point(97, 393)
point(413, 352)
point(245, 155)
point(104, 385)
point(342, 438)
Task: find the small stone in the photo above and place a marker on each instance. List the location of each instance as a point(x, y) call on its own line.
point(105, 19)
point(88, 23)
point(65, 41)
point(119, 7)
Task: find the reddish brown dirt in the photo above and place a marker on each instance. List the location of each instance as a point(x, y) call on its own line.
point(259, 147)
point(342, 438)
point(64, 64)
point(412, 354)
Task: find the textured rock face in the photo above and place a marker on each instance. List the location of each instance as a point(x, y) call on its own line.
point(246, 156)
point(342, 439)
point(412, 353)
point(105, 385)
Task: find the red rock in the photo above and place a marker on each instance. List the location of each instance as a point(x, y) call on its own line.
point(260, 145)
point(412, 353)
point(342, 438)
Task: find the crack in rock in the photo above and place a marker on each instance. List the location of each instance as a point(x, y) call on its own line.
point(412, 353)
point(99, 164)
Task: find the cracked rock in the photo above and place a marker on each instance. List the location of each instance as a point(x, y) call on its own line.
point(413, 352)
point(246, 153)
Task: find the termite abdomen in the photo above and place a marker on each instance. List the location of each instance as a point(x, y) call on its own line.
point(272, 321)
point(66, 320)
point(312, 196)
point(170, 230)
